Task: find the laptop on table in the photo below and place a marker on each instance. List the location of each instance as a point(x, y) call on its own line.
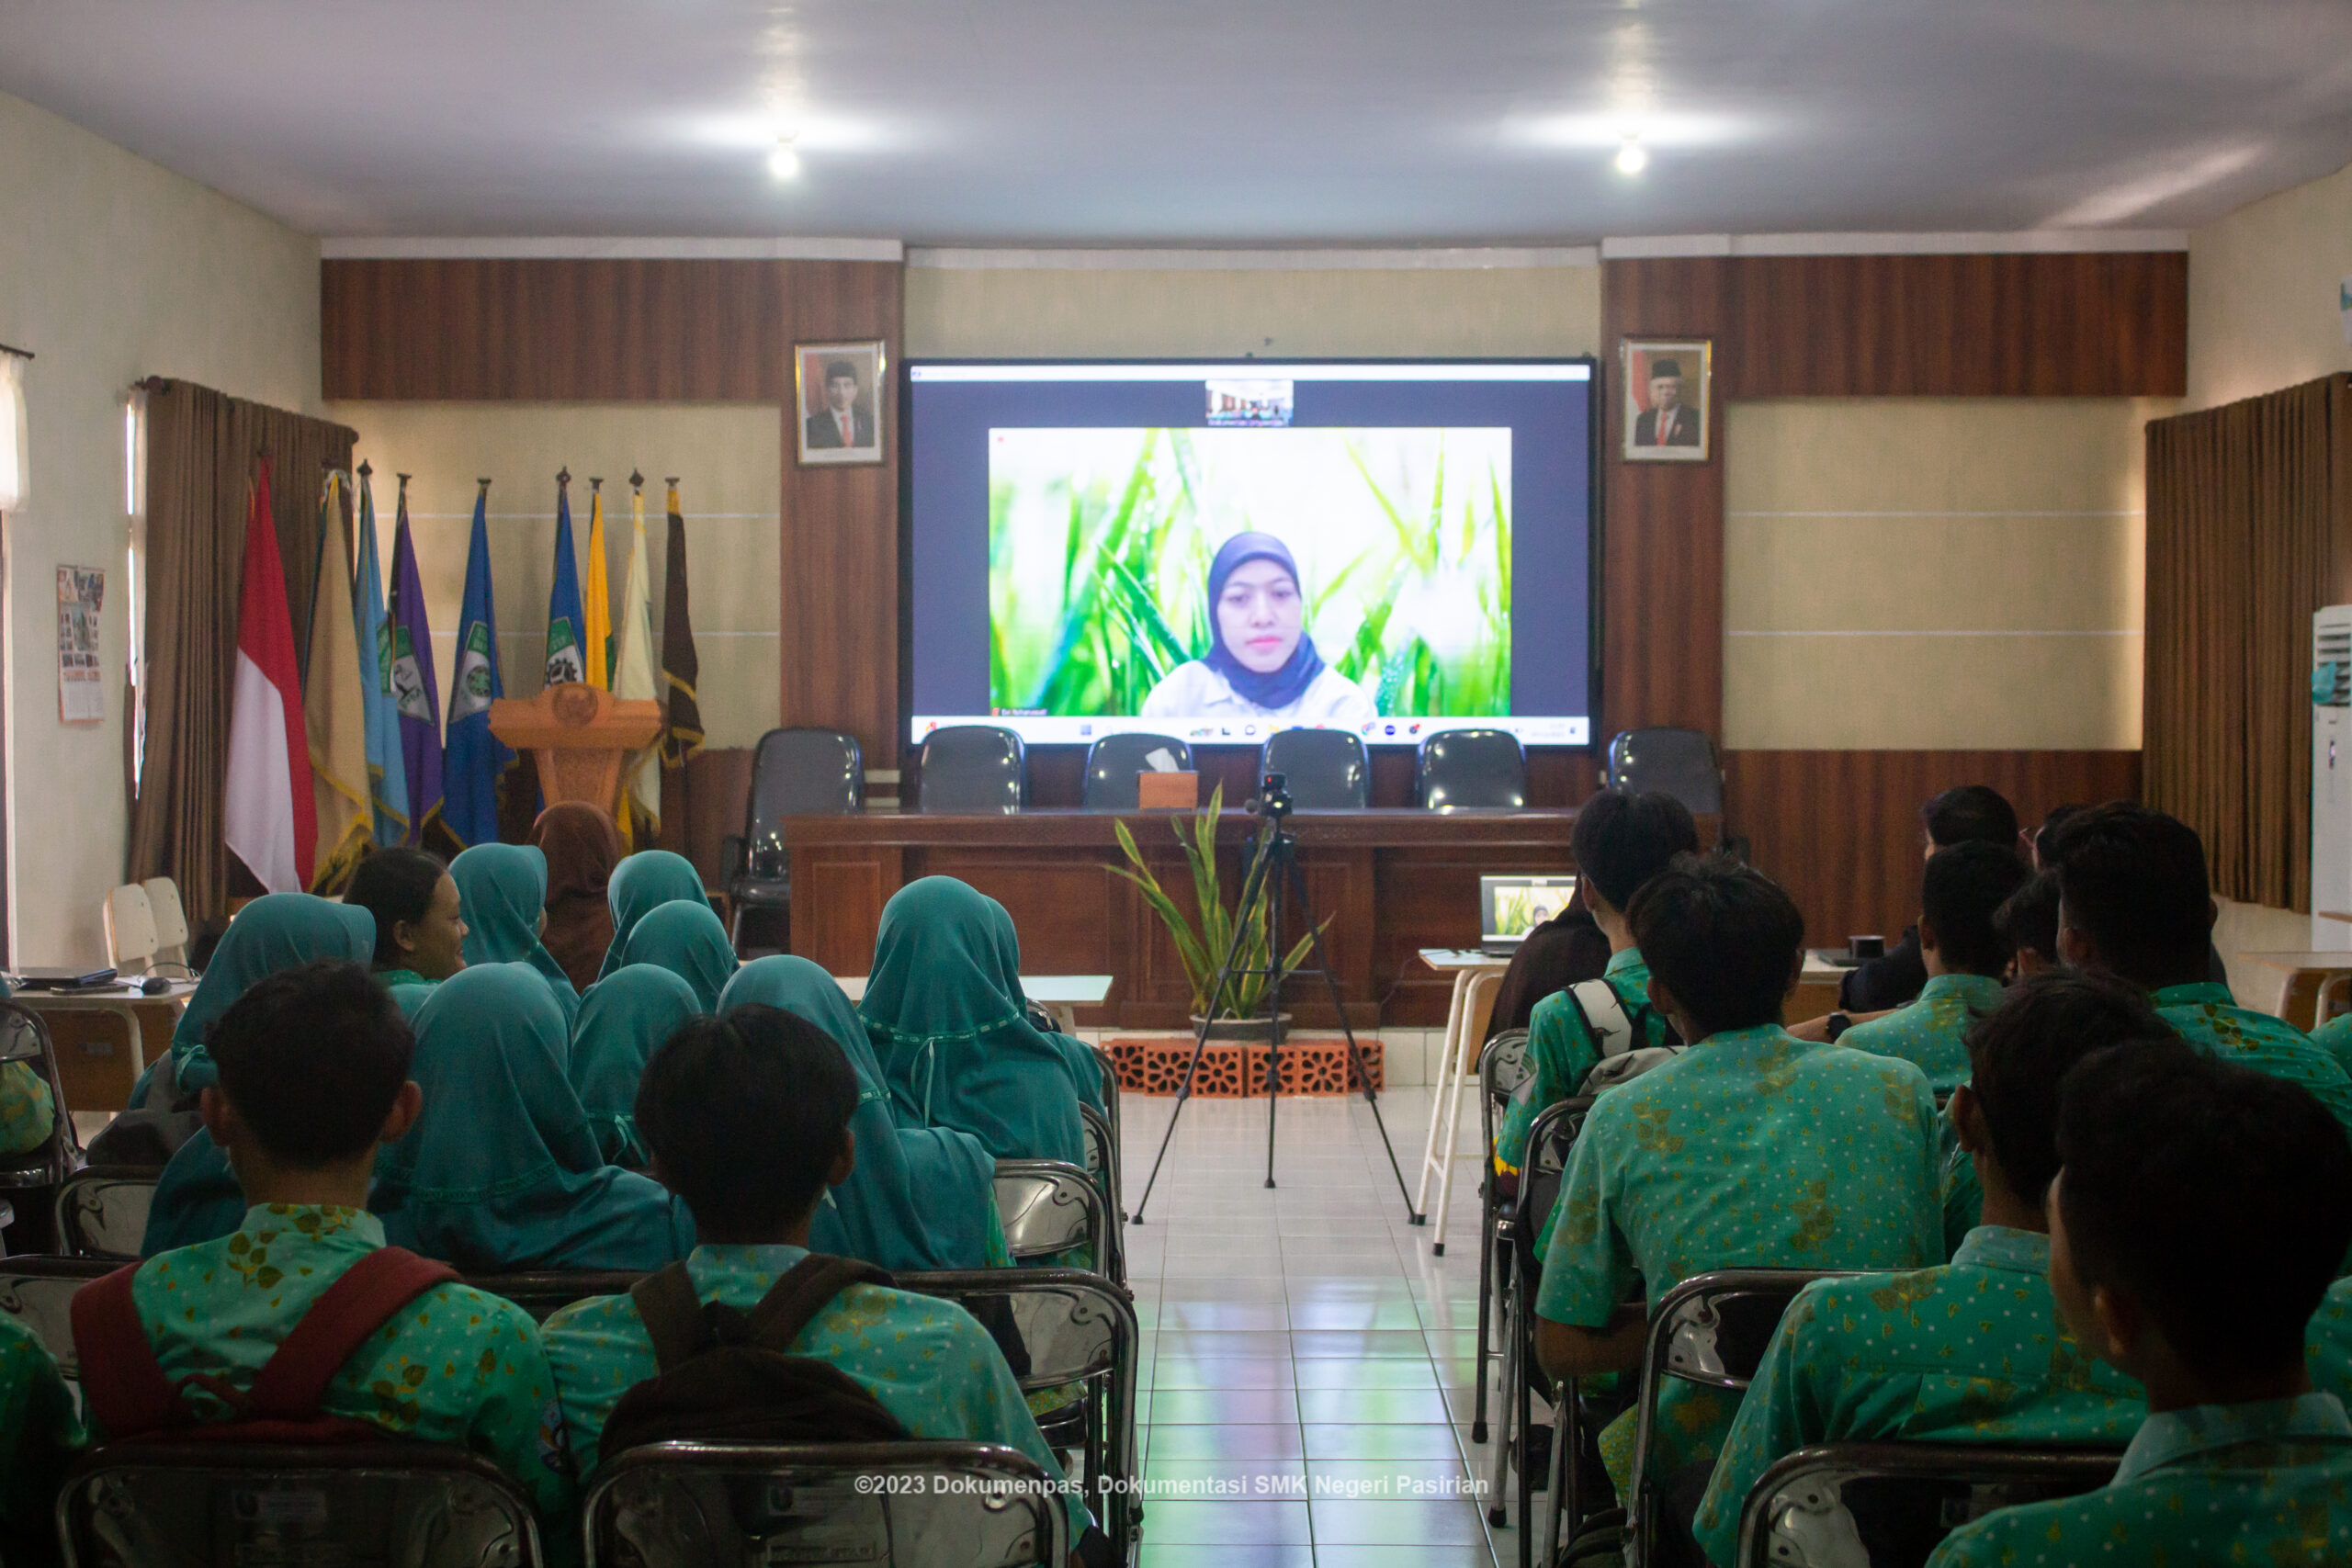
point(1511, 906)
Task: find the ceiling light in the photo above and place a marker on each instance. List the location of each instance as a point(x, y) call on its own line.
point(784, 162)
point(1631, 158)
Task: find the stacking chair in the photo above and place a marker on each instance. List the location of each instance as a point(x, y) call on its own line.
point(102, 1212)
point(130, 921)
point(1103, 1164)
point(1549, 1140)
point(1502, 1069)
point(1327, 770)
point(1048, 1207)
point(38, 1294)
point(1679, 763)
point(796, 772)
point(545, 1293)
point(170, 924)
point(1472, 770)
point(1114, 762)
point(914, 1504)
point(975, 768)
point(30, 1179)
point(416, 1505)
point(1890, 1505)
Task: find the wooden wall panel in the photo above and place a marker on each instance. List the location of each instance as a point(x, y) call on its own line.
point(1840, 830)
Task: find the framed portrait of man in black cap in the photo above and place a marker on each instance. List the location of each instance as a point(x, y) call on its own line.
point(1666, 414)
point(841, 388)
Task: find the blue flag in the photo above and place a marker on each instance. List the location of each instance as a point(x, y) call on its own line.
point(472, 757)
point(565, 661)
point(413, 681)
point(387, 776)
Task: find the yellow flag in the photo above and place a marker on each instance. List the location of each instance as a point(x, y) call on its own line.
point(334, 704)
point(596, 634)
point(634, 680)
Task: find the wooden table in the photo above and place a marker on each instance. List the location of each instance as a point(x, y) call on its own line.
point(1389, 883)
point(1061, 994)
point(1816, 990)
point(2306, 974)
point(105, 1037)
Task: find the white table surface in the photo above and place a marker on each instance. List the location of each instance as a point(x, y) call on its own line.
point(1051, 991)
point(1449, 958)
point(108, 997)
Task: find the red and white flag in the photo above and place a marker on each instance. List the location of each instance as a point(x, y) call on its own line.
point(272, 825)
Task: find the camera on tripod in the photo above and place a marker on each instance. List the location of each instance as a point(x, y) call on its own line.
point(1274, 802)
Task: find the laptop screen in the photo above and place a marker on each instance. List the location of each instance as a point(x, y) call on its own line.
point(1511, 906)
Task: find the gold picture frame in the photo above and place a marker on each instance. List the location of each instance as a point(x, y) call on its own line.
point(841, 418)
point(1666, 401)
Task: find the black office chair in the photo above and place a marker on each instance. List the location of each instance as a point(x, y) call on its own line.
point(1679, 763)
point(973, 767)
point(1472, 770)
point(797, 772)
point(1112, 763)
point(1328, 769)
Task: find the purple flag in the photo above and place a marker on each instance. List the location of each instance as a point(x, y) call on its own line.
point(413, 681)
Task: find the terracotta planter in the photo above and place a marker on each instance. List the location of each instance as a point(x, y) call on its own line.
point(1257, 1029)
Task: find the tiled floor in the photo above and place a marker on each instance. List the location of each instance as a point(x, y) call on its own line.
point(1310, 1363)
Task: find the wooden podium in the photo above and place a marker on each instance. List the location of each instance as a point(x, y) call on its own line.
point(579, 737)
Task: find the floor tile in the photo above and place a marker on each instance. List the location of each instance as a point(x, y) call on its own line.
point(1267, 1441)
point(1359, 1441)
point(1389, 1477)
point(1250, 1523)
point(1373, 1406)
point(1393, 1522)
point(1224, 1372)
point(1269, 1478)
point(1269, 1342)
point(1326, 1312)
point(1195, 1554)
point(1199, 1315)
point(1225, 1406)
point(1351, 1556)
point(1369, 1374)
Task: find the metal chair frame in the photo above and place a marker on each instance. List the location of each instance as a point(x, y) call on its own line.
point(38, 1293)
point(25, 1038)
point(1797, 1502)
point(1504, 1056)
point(1024, 1185)
point(73, 1207)
point(1000, 1480)
point(1103, 1164)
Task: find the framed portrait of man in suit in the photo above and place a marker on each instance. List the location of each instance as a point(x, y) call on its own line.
point(1666, 411)
point(841, 389)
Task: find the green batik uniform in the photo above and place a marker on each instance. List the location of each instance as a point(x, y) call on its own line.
point(624, 1018)
point(454, 1365)
point(642, 884)
point(28, 1111)
point(2334, 1037)
point(2328, 1342)
point(1929, 1032)
point(1962, 1195)
point(2268, 1483)
point(503, 898)
point(927, 1361)
point(2208, 1018)
point(687, 938)
point(1752, 1149)
point(1969, 1353)
point(1561, 1053)
point(38, 1435)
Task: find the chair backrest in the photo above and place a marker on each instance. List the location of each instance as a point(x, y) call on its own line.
point(1472, 770)
point(1549, 1139)
point(1047, 1207)
point(801, 772)
point(545, 1293)
point(130, 928)
point(24, 1038)
point(1112, 763)
point(1328, 769)
point(1679, 763)
point(1102, 1166)
point(1503, 1066)
point(728, 1504)
point(170, 918)
point(415, 1505)
point(36, 1294)
point(102, 1212)
point(973, 767)
point(1891, 1504)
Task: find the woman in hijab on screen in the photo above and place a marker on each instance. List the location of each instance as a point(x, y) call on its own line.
point(582, 847)
point(1262, 662)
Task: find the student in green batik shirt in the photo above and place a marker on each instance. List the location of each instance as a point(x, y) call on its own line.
point(1751, 1149)
point(1621, 840)
point(2134, 901)
point(302, 1126)
point(1959, 890)
point(1972, 1351)
point(421, 927)
point(747, 1116)
point(2199, 1213)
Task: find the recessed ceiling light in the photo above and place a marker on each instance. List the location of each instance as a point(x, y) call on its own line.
point(784, 161)
point(1632, 157)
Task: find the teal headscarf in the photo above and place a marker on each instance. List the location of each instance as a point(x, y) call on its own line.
point(278, 930)
point(687, 938)
point(624, 1018)
point(642, 884)
point(1085, 1066)
point(501, 895)
point(921, 1197)
point(500, 1172)
point(954, 1048)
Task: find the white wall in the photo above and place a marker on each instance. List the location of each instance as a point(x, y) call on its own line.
point(111, 269)
point(2262, 293)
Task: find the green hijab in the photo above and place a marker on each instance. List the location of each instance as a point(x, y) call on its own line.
point(500, 1172)
point(642, 884)
point(277, 930)
point(623, 1019)
point(687, 938)
point(954, 1048)
point(921, 1197)
point(503, 895)
point(1085, 1066)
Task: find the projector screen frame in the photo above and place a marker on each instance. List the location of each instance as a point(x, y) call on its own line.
point(903, 420)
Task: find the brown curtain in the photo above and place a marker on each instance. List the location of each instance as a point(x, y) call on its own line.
point(2249, 532)
point(203, 451)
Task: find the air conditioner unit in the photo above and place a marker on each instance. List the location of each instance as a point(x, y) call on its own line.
point(2331, 773)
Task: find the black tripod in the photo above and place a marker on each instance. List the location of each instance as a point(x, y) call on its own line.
point(1274, 867)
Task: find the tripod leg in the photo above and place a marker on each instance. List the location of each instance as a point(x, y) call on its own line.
point(1272, 892)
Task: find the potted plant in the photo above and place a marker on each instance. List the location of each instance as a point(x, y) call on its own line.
point(1200, 945)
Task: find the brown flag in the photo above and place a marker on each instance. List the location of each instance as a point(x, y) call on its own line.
point(682, 737)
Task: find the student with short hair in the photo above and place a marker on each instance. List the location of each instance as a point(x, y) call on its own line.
point(1752, 1148)
point(2134, 901)
point(2028, 922)
point(1622, 842)
point(747, 1115)
point(1966, 813)
point(1968, 1351)
point(2198, 1213)
point(1960, 890)
point(302, 1126)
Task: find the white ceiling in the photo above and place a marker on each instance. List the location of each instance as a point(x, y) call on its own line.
point(1205, 121)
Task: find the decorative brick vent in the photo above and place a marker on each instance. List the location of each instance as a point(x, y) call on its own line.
point(1310, 1065)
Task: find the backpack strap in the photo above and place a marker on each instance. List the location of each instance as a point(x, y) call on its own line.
point(1605, 1020)
point(291, 1383)
point(802, 1292)
point(672, 1313)
point(123, 1384)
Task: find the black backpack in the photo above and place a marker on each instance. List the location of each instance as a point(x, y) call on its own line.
point(730, 1376)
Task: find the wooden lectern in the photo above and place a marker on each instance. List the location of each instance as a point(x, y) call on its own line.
point(579, 737)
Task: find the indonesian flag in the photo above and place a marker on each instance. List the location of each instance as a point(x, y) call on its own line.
point(272, 825)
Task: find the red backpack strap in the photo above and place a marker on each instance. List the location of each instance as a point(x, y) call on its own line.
point(289, 1386)
point(122, 1385)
